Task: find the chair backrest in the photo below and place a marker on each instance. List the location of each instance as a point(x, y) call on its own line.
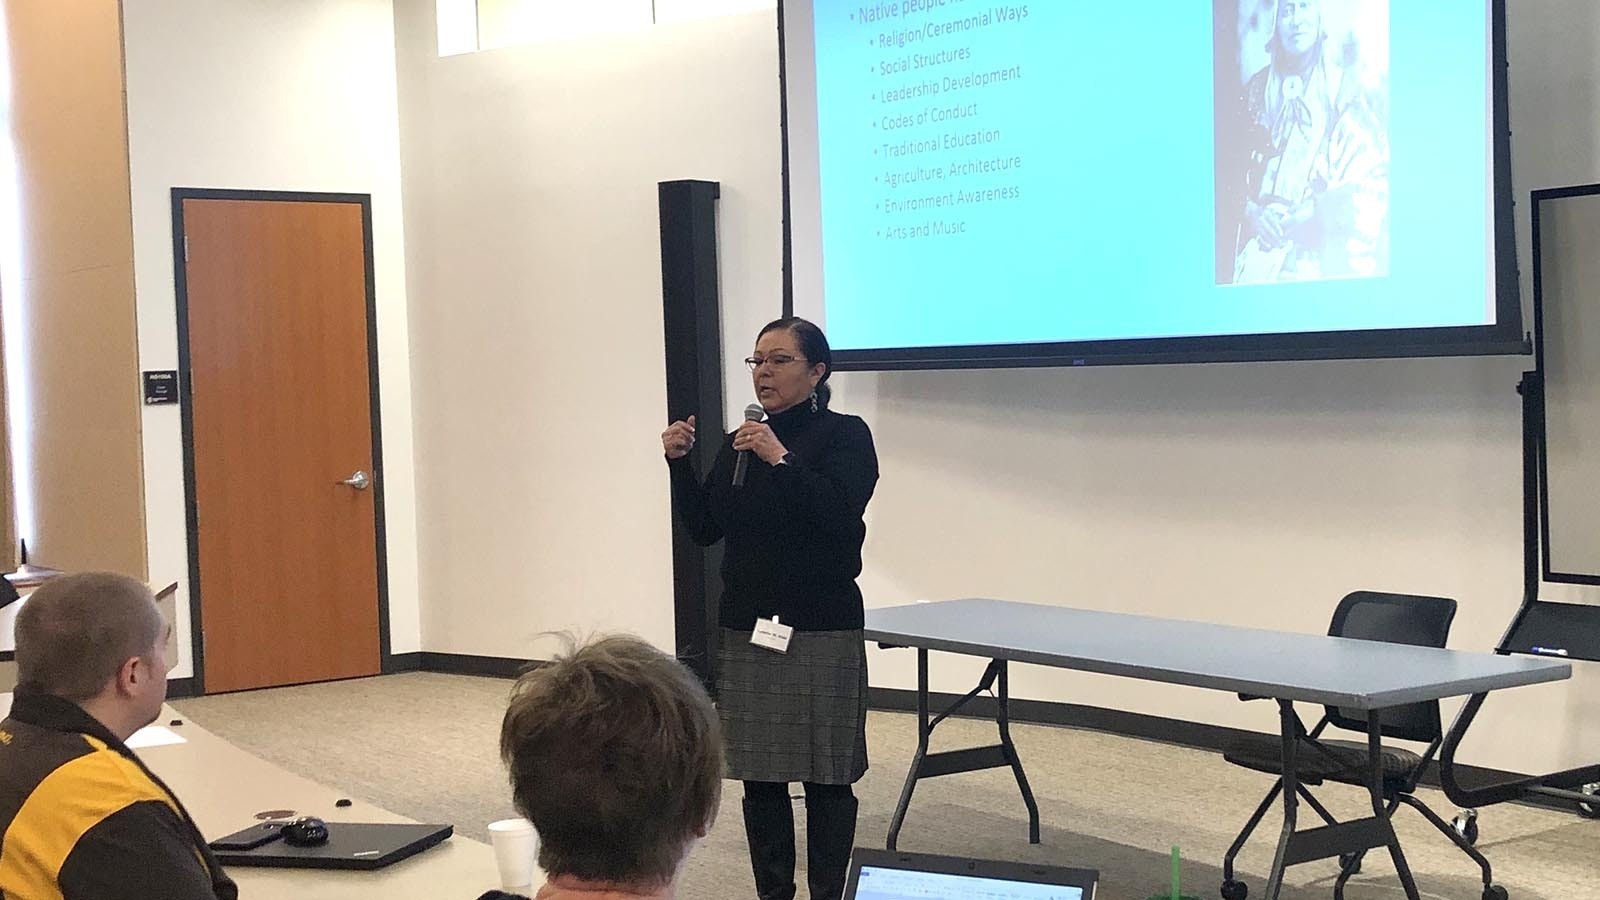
point(1396, 619)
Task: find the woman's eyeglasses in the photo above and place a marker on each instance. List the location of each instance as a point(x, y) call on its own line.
point(776, 360)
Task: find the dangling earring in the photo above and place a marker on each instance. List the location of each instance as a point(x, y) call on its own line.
point(813, 401)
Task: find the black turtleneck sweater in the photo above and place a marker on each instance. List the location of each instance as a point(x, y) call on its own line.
point(793, 531)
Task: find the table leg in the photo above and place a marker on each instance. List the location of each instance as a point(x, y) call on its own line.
point(923, 731)
point(1003, 719)
point(1375, 787)
point(1003, 754)
point(1289, 722)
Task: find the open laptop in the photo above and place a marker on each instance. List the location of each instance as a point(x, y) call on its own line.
point(892, 875)
point(351, 845)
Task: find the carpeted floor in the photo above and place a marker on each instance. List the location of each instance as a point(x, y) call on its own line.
point(425, 746)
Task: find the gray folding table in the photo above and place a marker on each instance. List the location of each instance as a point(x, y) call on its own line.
point(1353, 674)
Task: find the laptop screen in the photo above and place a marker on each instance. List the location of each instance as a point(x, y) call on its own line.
point(878, 883)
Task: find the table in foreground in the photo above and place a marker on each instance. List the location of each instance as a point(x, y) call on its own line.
point(223, 787)
point(1353, 674)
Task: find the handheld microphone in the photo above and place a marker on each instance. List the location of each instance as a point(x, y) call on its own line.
point(752, 413)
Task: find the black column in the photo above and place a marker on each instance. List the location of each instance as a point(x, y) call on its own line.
point(690, 312)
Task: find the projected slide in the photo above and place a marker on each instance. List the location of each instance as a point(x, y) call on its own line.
point(991, 173)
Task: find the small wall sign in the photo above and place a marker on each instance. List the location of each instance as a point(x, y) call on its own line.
point(160, 387)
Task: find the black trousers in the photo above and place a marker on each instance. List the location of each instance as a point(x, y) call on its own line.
point(830, 836)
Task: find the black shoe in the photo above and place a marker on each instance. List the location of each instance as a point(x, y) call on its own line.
point(769, 829)
point(830, 836)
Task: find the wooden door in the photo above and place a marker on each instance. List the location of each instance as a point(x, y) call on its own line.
point(287, 553)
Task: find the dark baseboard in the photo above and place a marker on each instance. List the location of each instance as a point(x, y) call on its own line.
point(402, 662)
point(421, 661)
point(7, 656)
point(455, 664)
point(179, 688)
point(1179, 732)
point(467, 664)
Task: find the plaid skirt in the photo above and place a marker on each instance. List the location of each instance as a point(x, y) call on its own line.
point(796, 716)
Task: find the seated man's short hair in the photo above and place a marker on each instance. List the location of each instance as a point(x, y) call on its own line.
point(75, 631)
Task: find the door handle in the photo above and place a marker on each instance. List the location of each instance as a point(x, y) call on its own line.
point(359, 481)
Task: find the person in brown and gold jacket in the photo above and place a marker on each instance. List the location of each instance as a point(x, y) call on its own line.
point(81, 818)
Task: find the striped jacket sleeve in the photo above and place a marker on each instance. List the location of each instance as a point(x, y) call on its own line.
point(139, 852)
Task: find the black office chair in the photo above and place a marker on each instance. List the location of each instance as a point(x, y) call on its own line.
point(1372, 616)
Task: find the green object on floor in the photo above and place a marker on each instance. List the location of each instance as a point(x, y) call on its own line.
point(1176, 893)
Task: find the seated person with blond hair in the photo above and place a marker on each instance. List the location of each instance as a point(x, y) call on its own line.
point(81, 818)
point(615, 756)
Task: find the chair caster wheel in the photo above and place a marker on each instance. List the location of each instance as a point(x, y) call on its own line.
point(1495, 892)
point(1586, 809)
point(1466, 825)
point(1235, 890)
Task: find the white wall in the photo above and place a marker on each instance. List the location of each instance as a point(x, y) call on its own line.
point(534, 257)
point(1256, 494)
point(294, 95)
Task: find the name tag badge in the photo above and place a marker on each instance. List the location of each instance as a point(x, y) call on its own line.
point(772, 634)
